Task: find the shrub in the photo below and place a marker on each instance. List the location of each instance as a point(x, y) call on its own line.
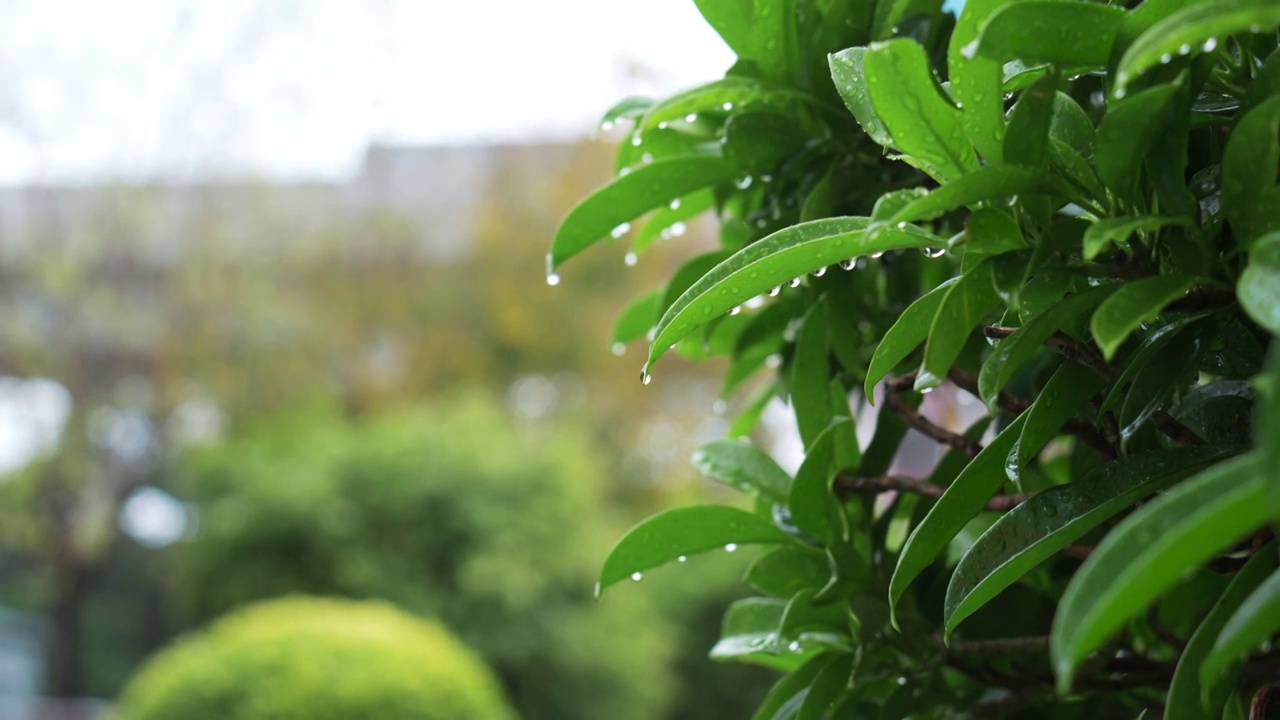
point(1067, 210)
point(316, 659)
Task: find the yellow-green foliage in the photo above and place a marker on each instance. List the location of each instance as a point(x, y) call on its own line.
point(302, 658)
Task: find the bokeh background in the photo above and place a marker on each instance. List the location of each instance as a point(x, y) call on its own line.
point(273, 322)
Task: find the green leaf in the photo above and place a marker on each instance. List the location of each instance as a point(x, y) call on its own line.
point(1108, 231)
point(731, 20)
point(993, 182)
point(747, 419)
point(773, 261)
point(1071, 125)
point(1197, 28)
point(1067, 32)
point(1250, 196)
point(827, 687)
point(757, 141)
point(963, 307)
point(1149, 552)
point(976, 82)
point(811, 624)
point(1133, 304)
point(630, 196)
point(810, 367)
point(635, 321)
point(671, 221)
point(1016, 350)
point(1026, 142)
point(849, 73)
point(1152, 346)
point(989, 232)
point(922, 121)
point(743, 466)
point(790, 686)
point(737, 93)
point(1070, 388)
point(1049, 521)
point(1126, 134)
point(750, 626)
point(681, 532)
point(962, 501)
point(1255, 622)
point(774, 39)
point(626, 109)
point(688, 274)
point(811, 503)
point(1266, 84)
point(1193, 694)
point(786, 570)
point(911, 329)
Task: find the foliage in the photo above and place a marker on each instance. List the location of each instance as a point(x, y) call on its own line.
point(450, 511)
point(1066, 209)
point(318, 659)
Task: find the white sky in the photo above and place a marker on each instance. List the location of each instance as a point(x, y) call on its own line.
point(135, 89)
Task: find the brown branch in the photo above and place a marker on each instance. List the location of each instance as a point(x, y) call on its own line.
point(1079, 552)
point(926, 427)
point(854, 485)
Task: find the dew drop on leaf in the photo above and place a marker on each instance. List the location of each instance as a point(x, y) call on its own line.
point(795, 282)
point(731, 547)
point(630, 259)
point(620, 230)
point(637, 576)
point(618, 349)
point(683, 558)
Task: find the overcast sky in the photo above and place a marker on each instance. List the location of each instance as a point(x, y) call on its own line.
point(136, 89)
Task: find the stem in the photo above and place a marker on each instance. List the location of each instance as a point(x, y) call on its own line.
point(927, 428)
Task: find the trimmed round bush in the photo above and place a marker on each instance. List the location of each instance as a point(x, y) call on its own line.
point(316, 659)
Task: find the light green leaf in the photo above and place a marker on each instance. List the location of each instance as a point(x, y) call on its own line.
point(1193, 695)
point(1197, 28)
point(976, 82)
point(850, 76)
point(922, 121)
point(741, 465)
point(1135, 303)
point(826, 689)
point(668, 536)
point(773, 261)
point(786, 570)
point(731, 20)
point(1149, 552)
point(1071, 388)
point(1107, 231)
point(1250, 196)
point(963, 307)
point(1255, 622)
point(626, 109)
point(630, 196)
point(635, 321)
point(993, 182)
point(1049, 521)
point(911, 329)
point(774, 37)
point(1016, 350)
point(750, 626)
point(738, 93)
point(669, 222)
point(962, 501)
point(1066, 32)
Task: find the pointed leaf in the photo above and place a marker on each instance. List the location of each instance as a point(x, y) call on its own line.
point(773, 261)
point(1108, 231)
point(848, 71)
point(630, 196)
point(1026, 142)
point(1049, 521)
point(786, 570)
point(976, 82)
point(1196, 28)
point(911, 329)
point(962, 501)
point(750, 626)
point(810, 368)
point(1149, 552)
point(741, 465)
point(1066, 32)
point(667, 536)
point(989, 232)
point(1126, 134)
point(636, 320)
point(731, 20)
point(992, 182)
point(827, 688)
point(786, 689)
point(669, 222)
point(1133, 304)
point(1255, 622)
point(1070, 388)
point(738, 93)
point(1259, 286)
point(963, 307)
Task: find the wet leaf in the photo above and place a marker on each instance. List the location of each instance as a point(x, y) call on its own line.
point(993, 182)
point(848, 71)
point(910, 330)
point(1135, 303)
point(1126, 134)
point(1250, 195)
point(1109, 231)
point(750, 626)
point(738, 93)
point(1070, 388)
point(1255, 620)
point(743, 466)
point(963, 307)
point(976, 82)
point(636, 321)
point(1259, 286)
point(827, 688)
point(1066, 32)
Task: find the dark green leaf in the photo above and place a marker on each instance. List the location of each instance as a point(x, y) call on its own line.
point(810, 367)
point(1134, 304)
point(1254, 622)
point(1071, 125)
point(962, 308)
point(668, 536)
point(792, 685)
point(993, 182)
point(1250, 196)
point(989, 231)
point(1125, 135)
point(808, 625)
point(784, 571)
point(1149, 552)
point(905, 335)
point(811, 503)
point(1071, 388)
point(1049, 521)
point(1066, 32)
point(721, 96)
point(630, 196)
point(1259, 286)
point(1104, 233)
point(757, 141)
point(743, 466)
point(827, 687)
point(1026, 142)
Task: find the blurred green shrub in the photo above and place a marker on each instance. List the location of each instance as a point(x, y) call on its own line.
point(451, 511)
point(316, 659)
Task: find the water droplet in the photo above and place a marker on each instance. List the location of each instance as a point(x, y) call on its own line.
point(636, 140)
point(620, 230)
point(674, 204)
point(683, 558)
point(663, 125)
point(902, 680)
point(735, 309)
point(651, 334)
point(606, 125)
point(766, 178)
point(773, 362)
point(727, 106)
point(1165, 59)
point(691, 117)
point(553, 279)
point(902, 226)
point(646, 158)
point(1210, 45)
point(731, 547)
point(820, 272)
point(1255, 29)
point(645, 377)
point(934, 252)
point(719, 407)
point(637, 576)
point(849, 264)
point(877, 255)
point(926, 391)
point(970, 51)
point(1184, 50)
point(624, 172)
point(795, 282)
point(630, 259)
point(794, 646)
point(619, 349)
point(775, 290)
point(676, 230)
point(1120, 93)
point(1097, 98)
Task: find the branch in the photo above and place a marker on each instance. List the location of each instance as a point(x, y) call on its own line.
point(927, 428)
point(854, 485)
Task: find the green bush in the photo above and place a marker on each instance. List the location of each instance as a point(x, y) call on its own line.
point(316, 659)
point(1064, 211)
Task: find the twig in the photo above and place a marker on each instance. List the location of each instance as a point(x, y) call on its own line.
point(855, 485)
point(927, 428)
point(1079, 552)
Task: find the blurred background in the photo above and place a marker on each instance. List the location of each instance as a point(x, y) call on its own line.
point(273, 322)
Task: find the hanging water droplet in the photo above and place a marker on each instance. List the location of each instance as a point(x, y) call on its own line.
point(820, 272)
point(766, 178)
point(1184, 50)
point(677, 229)
point(744, 183)
point(645, 377)
point(606, 126)
point(775, 291)
point(1210, 45)
point(651, 334)
point(620, 230)
point(637, 576)
point(902, 226)
point(773, 362)
point(1165, 59)
point(934, 252)
point(1120, 93)
point(877, 255)
point(902, 680)
point(683, 558)
point(970, 51)
point(691, 117)
point(795, 282)
point(674, 204)
point(636, 140)
point(735, 309)
point(553, 279)
point(926, 391)
point(624, 171)
point(630, 259)
point(849, 264)
point(731, 547)
point(1097, 98)
point(619, 349)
